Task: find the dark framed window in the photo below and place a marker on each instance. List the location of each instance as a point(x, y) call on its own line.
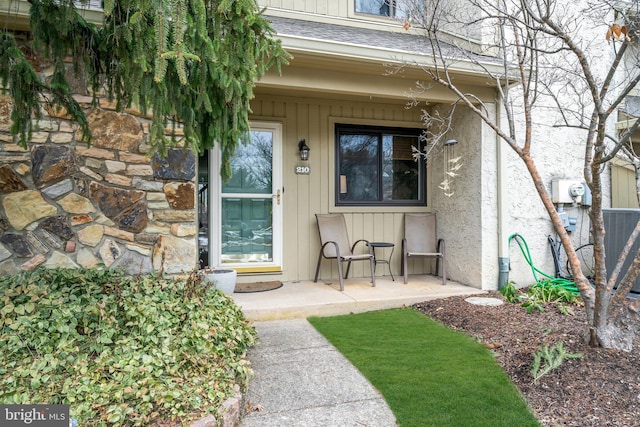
point(391, 8)
point(375, 167)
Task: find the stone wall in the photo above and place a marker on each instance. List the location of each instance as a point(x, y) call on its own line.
point(64, 204)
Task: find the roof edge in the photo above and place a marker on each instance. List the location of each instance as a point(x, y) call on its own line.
point(382, 55)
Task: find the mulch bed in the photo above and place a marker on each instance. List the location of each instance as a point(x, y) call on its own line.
point(600, 389)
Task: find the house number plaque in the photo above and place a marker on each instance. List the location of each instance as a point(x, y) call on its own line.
point(302, 170)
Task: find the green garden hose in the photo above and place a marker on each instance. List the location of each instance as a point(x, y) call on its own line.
point(547, 280)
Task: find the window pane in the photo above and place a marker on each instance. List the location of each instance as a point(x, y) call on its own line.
point(374, 7)
point(402, 8)
point(400, 171)
point(358, 167)
point(375, 166)
point(395, 8)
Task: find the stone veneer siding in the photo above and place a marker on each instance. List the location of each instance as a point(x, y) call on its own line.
point(64, 204)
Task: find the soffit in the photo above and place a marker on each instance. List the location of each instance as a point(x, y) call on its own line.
point(316, 80)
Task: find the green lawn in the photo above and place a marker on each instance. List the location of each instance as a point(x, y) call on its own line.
point(428, 374)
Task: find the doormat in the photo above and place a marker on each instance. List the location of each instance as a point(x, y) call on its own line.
point(257, 286)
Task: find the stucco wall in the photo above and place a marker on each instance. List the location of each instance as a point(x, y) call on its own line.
point(558, 153)
point(557, 150)
point(461, 217)
point(468, 219)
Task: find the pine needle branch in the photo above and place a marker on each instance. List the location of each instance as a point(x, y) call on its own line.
point(548, 358)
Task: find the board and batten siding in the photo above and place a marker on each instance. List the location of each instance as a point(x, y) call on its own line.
point(307, 195)
point(320, 7)
point(623, 187)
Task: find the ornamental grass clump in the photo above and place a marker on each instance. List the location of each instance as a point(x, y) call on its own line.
point(120, 350)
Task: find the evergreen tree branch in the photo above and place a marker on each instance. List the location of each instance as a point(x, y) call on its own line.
point(194, 62)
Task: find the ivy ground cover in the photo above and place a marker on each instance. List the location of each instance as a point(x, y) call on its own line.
point(120, 350)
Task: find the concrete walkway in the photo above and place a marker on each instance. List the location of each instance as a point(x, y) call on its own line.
point(302, 380)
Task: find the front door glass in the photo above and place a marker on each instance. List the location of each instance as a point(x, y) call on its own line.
point(249, 204)
point(247, 217)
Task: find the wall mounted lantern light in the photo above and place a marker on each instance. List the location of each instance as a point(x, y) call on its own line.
point(304, 150)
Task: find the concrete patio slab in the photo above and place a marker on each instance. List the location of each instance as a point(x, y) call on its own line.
point(306, 298)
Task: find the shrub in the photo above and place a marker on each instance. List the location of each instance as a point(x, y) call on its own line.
point(119, 349)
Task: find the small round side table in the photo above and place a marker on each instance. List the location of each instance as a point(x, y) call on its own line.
point(377, 261)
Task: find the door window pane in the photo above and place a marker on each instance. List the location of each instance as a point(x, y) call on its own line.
point(247, 231)
point(247, 234)
point(251, 166)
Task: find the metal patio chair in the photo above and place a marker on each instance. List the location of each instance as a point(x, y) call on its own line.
point(335, 245)
point(420, 240)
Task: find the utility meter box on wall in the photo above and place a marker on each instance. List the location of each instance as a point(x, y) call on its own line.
point(567, 191)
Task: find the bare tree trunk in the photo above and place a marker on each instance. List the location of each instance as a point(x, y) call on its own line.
point(581, 281)
point(543, 51)
point(618, 332)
